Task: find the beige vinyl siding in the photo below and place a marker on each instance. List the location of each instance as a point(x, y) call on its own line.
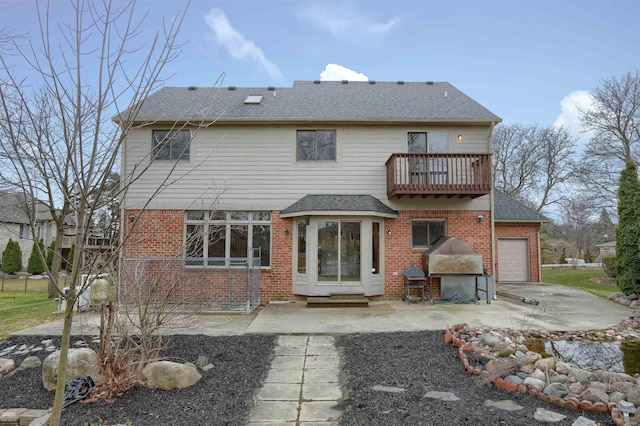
point(255, 167)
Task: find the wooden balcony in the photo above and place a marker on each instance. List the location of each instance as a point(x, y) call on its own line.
point(449, 175)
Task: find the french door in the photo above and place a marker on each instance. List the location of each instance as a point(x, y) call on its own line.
point(339, 251)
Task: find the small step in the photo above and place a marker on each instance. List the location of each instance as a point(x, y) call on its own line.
point(339, 302)
point(358, 295)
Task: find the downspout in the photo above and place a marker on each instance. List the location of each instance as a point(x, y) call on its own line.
point(539, 255)
point(492, 210)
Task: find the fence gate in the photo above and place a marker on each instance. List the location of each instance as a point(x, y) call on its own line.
point(197, 285)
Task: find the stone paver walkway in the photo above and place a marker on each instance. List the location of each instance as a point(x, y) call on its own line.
point(302, 387)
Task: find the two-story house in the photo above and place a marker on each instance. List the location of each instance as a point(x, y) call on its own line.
point(17, 212)
point(341, 185)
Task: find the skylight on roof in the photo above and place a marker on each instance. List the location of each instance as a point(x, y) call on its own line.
point(253, 99)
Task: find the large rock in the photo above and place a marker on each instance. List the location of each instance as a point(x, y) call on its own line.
point(31, 362)
point(81, 362)
point(588, 354)
point(490, 339)
point(595, 395)
point(103, 291)
point(170, 375)
point(556, 390)
point(583, 376)
point(546, 363)
point(6, 365)
point(504, 349)
point(538, 384)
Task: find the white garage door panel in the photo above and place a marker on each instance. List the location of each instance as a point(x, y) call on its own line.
point(513, 259)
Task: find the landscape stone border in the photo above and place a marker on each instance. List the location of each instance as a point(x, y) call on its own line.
point(452, 336)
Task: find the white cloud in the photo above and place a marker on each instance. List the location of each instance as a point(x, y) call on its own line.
point(345, 21)
point(335, 72)
point(237, 45)
point(570, 110)
point(571, 107)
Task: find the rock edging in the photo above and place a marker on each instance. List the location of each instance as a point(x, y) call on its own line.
point(453, 336)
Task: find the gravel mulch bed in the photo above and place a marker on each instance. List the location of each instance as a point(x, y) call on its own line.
point(224, 395)
point(421, 362)
point(417, 362)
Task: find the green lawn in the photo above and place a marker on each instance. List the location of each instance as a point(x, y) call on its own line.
point(19, 285)
point(22, 310)
point(579, 278)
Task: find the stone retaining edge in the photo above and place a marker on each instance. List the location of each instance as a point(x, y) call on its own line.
point(24, 417)
point(452, 336)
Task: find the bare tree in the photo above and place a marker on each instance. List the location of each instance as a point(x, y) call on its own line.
point(615, 120)
point(533, 163)
point(580, 223)
point(615, 117)
point(59, 144)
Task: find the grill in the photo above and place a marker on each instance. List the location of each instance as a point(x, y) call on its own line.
point(452, 256)
point(459, 267)
point(414, 278)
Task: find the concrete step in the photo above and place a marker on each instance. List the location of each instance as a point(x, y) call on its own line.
point(337, 302)
point(358, 295)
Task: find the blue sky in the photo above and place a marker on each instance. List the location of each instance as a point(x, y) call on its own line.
point(527, 61)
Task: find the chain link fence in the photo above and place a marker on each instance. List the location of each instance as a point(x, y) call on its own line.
point(194, 285)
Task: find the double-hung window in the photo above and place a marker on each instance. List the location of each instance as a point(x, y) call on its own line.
point(425, 232)
point(316, 145)
point(225, 235)
point(171, 144)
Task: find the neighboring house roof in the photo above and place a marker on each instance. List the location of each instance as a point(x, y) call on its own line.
point(607, 244)
point(507, 209)
point(318, 101)
point(351, 204)
point(14, 208)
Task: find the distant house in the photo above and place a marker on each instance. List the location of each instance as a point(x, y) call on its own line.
point(15, 213)
point(607, 249)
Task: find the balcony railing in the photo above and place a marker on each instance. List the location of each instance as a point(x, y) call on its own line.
point(463, 175)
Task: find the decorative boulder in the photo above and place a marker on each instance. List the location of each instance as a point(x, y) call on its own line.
point(81, 362)
point(6, 365)
point(103, 291)
point(31, 362)
point(169, 375)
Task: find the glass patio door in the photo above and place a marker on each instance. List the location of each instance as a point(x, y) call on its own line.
point(339, 251)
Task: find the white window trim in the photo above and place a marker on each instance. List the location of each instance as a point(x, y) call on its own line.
point(228, 222)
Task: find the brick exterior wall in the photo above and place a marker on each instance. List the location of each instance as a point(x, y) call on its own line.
point(399, 254)
point(160, 233)
point(522, 230)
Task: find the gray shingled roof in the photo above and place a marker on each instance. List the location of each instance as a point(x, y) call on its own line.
point(322, 101)
point(341, 203)
point(14, 209)
point(509, 210)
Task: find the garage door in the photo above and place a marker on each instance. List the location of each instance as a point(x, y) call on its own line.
point(513, 259)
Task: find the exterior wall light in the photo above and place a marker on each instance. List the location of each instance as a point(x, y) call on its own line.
point(459, 138)
point(131, 217)
point(481, 217)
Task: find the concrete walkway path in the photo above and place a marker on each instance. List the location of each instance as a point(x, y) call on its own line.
point(303, 385)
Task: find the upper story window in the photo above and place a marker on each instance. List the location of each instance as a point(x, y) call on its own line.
point(431, 142)
point(24, 231)
point(425, 232)
point(171, 144)
point(316, 145)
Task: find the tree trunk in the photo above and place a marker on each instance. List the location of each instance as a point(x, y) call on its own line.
point(56, 412)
